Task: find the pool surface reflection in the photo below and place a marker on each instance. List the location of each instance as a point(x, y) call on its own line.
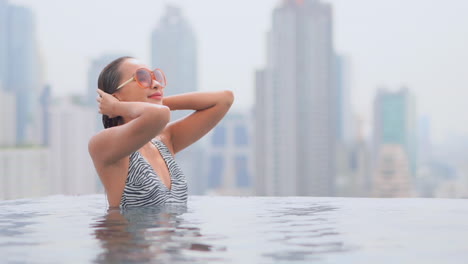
point(80, 229)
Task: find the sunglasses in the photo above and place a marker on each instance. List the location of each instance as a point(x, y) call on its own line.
point(145, 77)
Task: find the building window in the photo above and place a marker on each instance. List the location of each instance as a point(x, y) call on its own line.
point(242, 172)
point(219, 136)
point(240, 135)
point(216, 171)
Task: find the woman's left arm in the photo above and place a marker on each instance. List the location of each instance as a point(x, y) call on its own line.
point(210, 108)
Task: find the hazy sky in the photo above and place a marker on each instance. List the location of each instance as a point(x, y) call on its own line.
point(422, 44)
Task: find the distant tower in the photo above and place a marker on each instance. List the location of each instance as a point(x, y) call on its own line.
point(394, 143)
point(174, 50)
point(344, 121)
point(3, 42)
point(72, 170)
point(7, 119)
point(395, 122)
point(20, 67)
point(45, 101)
point(296, 103)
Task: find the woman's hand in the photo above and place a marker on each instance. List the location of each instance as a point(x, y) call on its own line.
point(107, 104)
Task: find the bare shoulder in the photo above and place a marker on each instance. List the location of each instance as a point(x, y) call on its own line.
point(97, 142)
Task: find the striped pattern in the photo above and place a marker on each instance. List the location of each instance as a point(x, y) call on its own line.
point(143, 186)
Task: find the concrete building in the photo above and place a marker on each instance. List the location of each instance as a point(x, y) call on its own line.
point(395, 122)
point(7, 118)
point(72, 169)
point(392, 177)
point(3, 42)
point(174, 50)
point(230, 156)
point(24, 173)
point(296, 103)
point(345, 125)
point(22, 52)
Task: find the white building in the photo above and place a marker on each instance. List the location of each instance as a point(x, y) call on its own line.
point(24, 172)
point(296, 103)
point(7, 118)
point(392, 176)
point(230, 156)
point(72, 170)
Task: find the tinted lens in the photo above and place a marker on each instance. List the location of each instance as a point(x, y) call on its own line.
point(143, 77)
point(160, 77)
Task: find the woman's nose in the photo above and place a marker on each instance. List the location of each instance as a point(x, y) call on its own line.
point(156, 84)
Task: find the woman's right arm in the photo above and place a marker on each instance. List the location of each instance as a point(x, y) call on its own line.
point(146, 121)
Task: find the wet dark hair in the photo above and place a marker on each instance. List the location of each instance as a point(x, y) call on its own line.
point(108, 81)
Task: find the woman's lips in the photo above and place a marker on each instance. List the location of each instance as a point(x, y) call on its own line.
point(155, 96)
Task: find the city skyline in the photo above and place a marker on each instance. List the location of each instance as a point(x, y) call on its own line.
point(304, 128)
point(415, 49)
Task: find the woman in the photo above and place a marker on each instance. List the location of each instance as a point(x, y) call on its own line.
point(134, 155)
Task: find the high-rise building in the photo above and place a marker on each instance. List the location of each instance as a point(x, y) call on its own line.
point(24, 172)
point(392, 176)
point(395, 122)
point(394, 149)
point(3, 42)
point(174, 50)
point(22, 53)
point(230, 156)
point(344, 121)
point(353, 166)
point(45, 101)
point(7, 119)
point(72, 169)
point(296, 103)
point(424, 140)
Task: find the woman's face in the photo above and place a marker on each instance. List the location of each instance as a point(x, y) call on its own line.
point(132, 92)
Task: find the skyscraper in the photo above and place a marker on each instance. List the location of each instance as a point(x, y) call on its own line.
point(45, 101)
point(72, 170)
point(394, 143)
point(3, 42)
point(7, 119)
point(22, 53)
point(174, 50)
point(230, 156)
point(295, 103)
point(395, 122)
point(342, 78)
point(24, 172)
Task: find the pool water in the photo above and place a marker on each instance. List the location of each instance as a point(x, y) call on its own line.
point(80, 229)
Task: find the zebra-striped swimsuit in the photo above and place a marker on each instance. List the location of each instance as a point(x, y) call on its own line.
point(143, 186)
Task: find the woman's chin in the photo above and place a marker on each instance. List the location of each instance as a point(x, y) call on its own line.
point(155, 100)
